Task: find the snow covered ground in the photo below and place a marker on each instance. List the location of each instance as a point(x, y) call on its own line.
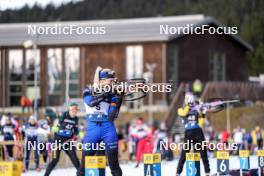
point(168, 168)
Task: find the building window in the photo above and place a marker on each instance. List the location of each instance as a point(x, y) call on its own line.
point(21, 74)
point(15, 59)
point(72, 64)
point(134, 61)
point(134, 69)
point(217, 67)
point(30, 73)
point(55, 71)
point(15, 64)
point(63, 74)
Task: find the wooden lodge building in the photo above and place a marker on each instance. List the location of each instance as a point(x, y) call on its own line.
point(125, 45)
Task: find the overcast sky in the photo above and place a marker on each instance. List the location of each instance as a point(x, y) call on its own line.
point(5, 4)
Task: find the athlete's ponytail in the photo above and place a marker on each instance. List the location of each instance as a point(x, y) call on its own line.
point(96, 75)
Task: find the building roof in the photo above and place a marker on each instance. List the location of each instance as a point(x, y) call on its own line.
point(115, 31)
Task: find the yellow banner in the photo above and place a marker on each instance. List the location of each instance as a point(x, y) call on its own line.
point(193, 156)
point(156, 158)
point(244, 153)
point(95, 162)
point(152, 158)
point(260, 152)
point(6, 169)
point(17, 168)
point(222, 155)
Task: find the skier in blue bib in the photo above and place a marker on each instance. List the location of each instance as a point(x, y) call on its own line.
point(101, 110)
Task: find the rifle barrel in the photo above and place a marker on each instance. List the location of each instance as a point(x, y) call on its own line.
point(231, 101)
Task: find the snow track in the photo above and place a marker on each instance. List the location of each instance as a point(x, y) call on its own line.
point(168, 168)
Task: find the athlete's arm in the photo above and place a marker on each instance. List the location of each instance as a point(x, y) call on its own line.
point(183, 112)
point(61, 118)
point(114, 108)
point(203, 111)
point(93, 100)
point(76, 128)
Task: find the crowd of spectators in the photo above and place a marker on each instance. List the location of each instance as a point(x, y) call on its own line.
point(135, 138)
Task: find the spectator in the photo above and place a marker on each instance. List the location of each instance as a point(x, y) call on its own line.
point(143, 141)
point(145, 145)
point(238, 138)
point(28, 104)
point(132, 140)
point(247, 141)
point(50, 115)
point(8, 130)
point(161, 139)
point(225, 137)
point(257, 136)
point(23, 103)
point(31, 135)
point(44, 136)
point(18, 135)
point(197, 87)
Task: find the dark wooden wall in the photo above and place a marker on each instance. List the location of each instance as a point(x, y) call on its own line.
point(106, 56)
point(3, 78)
point(153, 53)
point(43, 75)
point(193, 54)
point(113, 56)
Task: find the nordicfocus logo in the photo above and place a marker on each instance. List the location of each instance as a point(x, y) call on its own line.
point(165, 145)
point(59, 29)
point(191, 145)
point(133, 88)
point(192, 29)
point(71, 145)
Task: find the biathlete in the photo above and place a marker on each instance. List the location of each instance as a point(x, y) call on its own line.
point(101, 110)
point(66, 131)
point(193, 133)
point(8, 131)
point(31, 138)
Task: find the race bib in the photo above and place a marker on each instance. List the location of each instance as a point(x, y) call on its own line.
point(65, 133)
point(101, 108)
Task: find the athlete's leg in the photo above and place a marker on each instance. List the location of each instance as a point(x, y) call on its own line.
point(36, 155)
point(72, 155)
point(200, 138)
point(111, 142)
point(10, 151)
point(53, 162)
point(92, 137)
point(187, 138)
point(28, 149)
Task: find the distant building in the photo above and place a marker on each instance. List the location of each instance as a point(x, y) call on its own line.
point(125, 45)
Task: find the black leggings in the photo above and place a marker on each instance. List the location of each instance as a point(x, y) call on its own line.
point(196, 136)
point(71, 153)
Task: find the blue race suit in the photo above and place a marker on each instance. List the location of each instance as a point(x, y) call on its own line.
point(101, 110)
point(31, 134)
